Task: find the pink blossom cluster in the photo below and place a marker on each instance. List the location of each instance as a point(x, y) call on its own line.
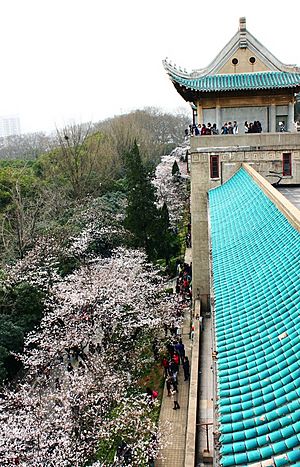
point(56, 416)
point(81, 367)
point(172, 190)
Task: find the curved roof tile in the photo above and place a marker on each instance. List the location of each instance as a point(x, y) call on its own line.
point(256, 277)
point(238, 81)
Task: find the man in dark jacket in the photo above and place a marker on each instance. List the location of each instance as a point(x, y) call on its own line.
point(186, 368)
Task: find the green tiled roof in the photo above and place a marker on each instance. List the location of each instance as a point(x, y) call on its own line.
point(239, 81)
point(256, 278)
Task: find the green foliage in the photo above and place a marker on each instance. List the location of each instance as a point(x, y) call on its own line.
point(83, 160)
point(81, 180)
point(21, 309)
point(149, 224)
point(141, 212)
point(26, 307)
point(16, 164)
point(3, 359)
point(173, 264)
point(158, 132)
point(167, 241)
point(11, 336)
point(107, 450)
point(67, 265)
point(13, 173)
point(5, 198)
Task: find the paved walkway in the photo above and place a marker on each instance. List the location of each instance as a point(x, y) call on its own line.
point(292, 193)
point(206, 384)
point(173, 454)
point(174, 422)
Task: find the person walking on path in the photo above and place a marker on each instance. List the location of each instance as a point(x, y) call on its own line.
point(175, 358)
point(180, 349)
point(169, 385)
point(173, 370)
point(174, 393)
point(165, 364)
point(186, 369)
point(175, 396)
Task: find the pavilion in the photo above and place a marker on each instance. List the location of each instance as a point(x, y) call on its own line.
point(245, 82)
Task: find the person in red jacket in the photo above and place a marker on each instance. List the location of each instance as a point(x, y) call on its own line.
point(176, 358)
point(165, 364)
point(203, 129)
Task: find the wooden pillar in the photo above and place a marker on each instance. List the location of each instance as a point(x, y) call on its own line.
point(272, 118)
point(200, 113)
point(218, 118)
point(291, 118)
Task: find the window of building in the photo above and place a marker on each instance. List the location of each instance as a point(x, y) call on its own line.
point(214, 167)
point(252, 60)
point(287, 164)
point(234, 61)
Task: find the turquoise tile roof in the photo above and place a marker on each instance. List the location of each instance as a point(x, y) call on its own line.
point(239, 81)
point(256, 279)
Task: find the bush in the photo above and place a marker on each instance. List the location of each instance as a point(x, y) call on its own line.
point(175, 168)
point(21, 310)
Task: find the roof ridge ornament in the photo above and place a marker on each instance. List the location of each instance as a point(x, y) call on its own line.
point(242, 23)
point(243, 33)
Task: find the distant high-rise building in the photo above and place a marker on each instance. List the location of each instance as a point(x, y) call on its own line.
point(9, 125)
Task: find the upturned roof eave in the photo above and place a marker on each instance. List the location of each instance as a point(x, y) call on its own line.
point(192, 95)
point(209, 91)
point(238, 83)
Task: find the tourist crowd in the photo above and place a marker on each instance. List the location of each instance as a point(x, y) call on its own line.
point(228, 128)
point(171, 362)
point(176, 356)
point(254, 127)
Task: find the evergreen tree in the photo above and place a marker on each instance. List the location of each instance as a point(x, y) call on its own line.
point(167, 241)
point(175, 169)
point(141, 213)
point(149, 224)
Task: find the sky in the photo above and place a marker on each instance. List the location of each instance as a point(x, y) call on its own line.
point(65, 61)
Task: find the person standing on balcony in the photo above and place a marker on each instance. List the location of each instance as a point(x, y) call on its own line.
point(224, 129)
point(214, 130)
point(208, 129)
point(230, 128)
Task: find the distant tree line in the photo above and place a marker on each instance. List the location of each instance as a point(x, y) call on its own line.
point(39, 194)
point(157, 130)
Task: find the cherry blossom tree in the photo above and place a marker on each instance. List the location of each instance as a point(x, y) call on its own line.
point(172, 189)
point(83, 360)
point(79, 392)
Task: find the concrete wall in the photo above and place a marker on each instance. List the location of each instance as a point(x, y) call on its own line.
point(274, 140)
point(199, 188)
point(191, 429)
